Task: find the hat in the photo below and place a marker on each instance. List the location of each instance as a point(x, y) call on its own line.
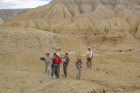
point(89, 48)
point(54, 54)
point(78, 58)
point(47, 53)
point(58, 54)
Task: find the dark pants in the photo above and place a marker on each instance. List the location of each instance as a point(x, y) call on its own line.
point(89, 61)
point(57, 70)
point(52, 70)
point(65, 66)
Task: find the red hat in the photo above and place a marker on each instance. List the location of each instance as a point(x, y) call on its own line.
point(78, 58)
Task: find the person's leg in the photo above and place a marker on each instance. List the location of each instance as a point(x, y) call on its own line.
point(51, 70)
point(58, 70)
point(77, 73)
point(48, 68)
point(80, 73)
point(64, 68)
point(87, 62)
point(66, 71)
point(55, 69)
point(90, 62)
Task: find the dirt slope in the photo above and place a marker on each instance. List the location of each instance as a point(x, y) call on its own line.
point(21, 44)
point(109, 74)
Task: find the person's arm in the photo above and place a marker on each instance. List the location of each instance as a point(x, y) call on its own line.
point(60, 61)
point(90, 54)
point(53, 58)
point(45, 58)
point(76, 64)
point(87, 52)
point(81, 64)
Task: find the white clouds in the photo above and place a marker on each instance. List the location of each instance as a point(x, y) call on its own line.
point(13, 4)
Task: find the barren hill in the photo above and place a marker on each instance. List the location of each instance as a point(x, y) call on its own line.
point(92, 21)
point(8, 14)
point(84, 17)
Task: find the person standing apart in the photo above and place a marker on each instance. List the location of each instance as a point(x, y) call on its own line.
point(66, 60)
point(47, 63)
point(57, 60)
point(52, 65)
point(89, 58)
point(78, 65)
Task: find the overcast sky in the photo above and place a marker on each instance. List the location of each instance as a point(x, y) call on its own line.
point(16, 4)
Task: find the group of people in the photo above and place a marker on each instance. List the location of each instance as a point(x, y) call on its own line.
point(56, 62)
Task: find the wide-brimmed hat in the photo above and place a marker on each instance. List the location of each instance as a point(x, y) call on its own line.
point(78, 58)
point(47, 53)
point(58, 54)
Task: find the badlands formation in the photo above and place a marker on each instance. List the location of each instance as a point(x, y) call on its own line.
point(94, 22)
point(110, 27)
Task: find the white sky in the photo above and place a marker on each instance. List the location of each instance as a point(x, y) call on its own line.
point(16, 4)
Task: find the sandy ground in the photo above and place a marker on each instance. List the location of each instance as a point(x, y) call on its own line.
point(109, 74)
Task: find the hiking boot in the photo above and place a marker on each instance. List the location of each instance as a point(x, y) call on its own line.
point(65, 76)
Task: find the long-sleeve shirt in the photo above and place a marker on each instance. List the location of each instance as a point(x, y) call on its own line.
point(90, 52)
point(66, 60)
point(57, 60)
point(47, 58)
point(78, 63)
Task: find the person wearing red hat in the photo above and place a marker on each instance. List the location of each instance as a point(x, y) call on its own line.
point(78, 67)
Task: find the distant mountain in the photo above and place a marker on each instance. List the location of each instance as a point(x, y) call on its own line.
point(8, 14)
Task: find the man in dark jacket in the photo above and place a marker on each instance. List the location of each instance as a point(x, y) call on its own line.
point(52, 66)
point(66, 60)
